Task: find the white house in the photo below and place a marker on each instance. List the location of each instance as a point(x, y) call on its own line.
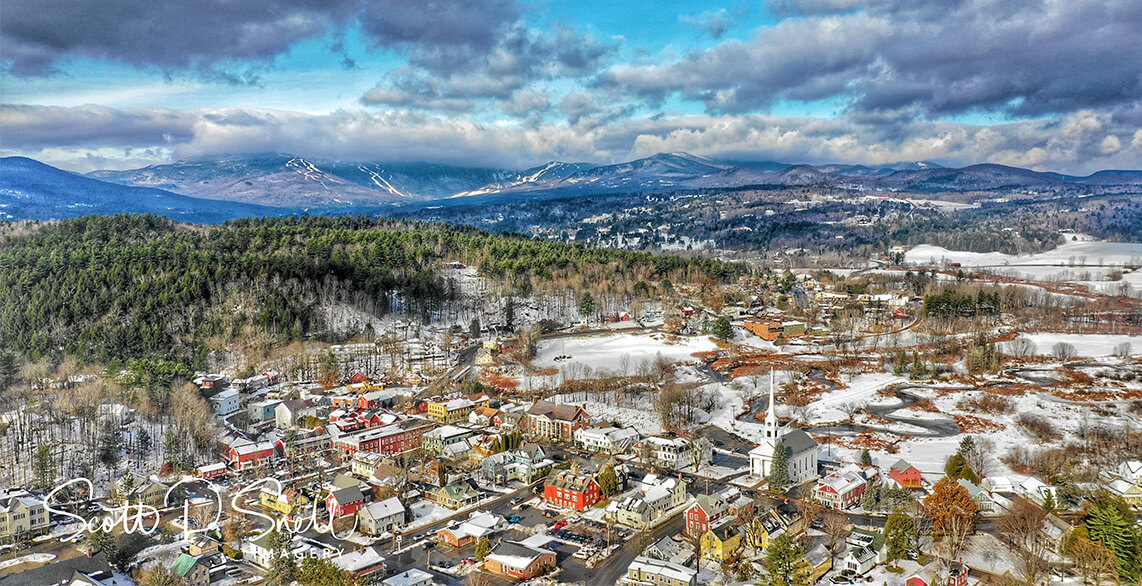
point(1130, 471)
point(676, 453)
point(1036, 490)
point(225, 403)
point(382, 516)
point(606, 440)
point(800, 449)
point(654, 496)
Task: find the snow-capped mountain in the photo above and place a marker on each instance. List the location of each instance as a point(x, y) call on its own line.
point(285, 180)
point(32, 190)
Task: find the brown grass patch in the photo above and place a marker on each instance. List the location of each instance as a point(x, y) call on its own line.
point(972, 424)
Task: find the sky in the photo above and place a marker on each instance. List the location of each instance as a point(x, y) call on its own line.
point(116, 84)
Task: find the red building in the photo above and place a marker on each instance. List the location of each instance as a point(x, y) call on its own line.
point(905, 474)
point(250, 455)
point(572, 490)
point(841, 489)
point(344, 502)
point(210, 470)
point(388, 440)
point(555, 422)
point(706, 511)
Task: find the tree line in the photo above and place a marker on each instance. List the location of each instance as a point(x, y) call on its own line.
point(102, 288)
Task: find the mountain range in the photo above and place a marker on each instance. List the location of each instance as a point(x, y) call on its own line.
point(216, 188)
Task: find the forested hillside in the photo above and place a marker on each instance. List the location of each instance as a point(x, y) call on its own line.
point(110, 288)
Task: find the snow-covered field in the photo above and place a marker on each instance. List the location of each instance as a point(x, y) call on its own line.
point(607, 352)
point(1068, 261)
point(1087, 345)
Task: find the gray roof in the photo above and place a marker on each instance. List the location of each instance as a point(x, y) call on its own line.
point(797, 442)
point(901, 465)
point(351, 494)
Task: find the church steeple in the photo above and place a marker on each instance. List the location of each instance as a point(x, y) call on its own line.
point(771, 414)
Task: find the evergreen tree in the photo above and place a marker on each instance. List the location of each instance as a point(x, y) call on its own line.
point(483, 548)
point(918, 369)
point(110, 444)
point(102, 541)
point(322, 572)
point(785, 563)
point(44, 467)
point(723, 330)
point(1111, 523)
point(901, 365)
point(509, 314)
point(608, 481)
point(779, 468)
point(865, 458)
point(474, 328)
point(586, 304)
point(901, 534)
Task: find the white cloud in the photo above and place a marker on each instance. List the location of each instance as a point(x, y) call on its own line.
point(65, 135)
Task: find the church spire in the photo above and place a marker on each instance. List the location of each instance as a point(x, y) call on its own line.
point(771, 426)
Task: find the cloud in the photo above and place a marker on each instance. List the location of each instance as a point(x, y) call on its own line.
point(232, 40)
point(715, 23)
point(66, 136)
point(521, 57)
point(525, 102)
point(941, 59)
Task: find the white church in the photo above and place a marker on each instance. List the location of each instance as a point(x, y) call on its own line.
point(800, 449)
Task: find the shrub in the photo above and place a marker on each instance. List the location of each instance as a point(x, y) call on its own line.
point(987, 403)
point(1038, 426)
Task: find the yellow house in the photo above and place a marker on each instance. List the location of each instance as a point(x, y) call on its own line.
point(286, 502)
point(767, 526)
point(484, 358)
point(721, 543)
point(451, 411)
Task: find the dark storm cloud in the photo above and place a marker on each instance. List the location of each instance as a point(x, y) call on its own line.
point(520, 57)
point(223, 37)
point(1024, 59)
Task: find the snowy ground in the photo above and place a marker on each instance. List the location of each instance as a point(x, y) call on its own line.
point(1087, 345)
point(641, 415)
point(1069, 261)
point(861, 388)
point(609, 351)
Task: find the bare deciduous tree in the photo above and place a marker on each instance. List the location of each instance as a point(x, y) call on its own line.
point(1020, 527)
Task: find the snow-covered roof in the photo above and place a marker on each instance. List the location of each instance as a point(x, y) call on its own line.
point(359, 560)
point(386, 508)
point(516, 555)
point(413, 577)
point(661, 568)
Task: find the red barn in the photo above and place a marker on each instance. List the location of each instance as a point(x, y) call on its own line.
point(905, 474)
point(344, 502)
point(572, 490)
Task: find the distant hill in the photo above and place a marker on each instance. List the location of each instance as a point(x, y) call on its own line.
point(32, 190)
point(284, 180)
point(279, 183)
